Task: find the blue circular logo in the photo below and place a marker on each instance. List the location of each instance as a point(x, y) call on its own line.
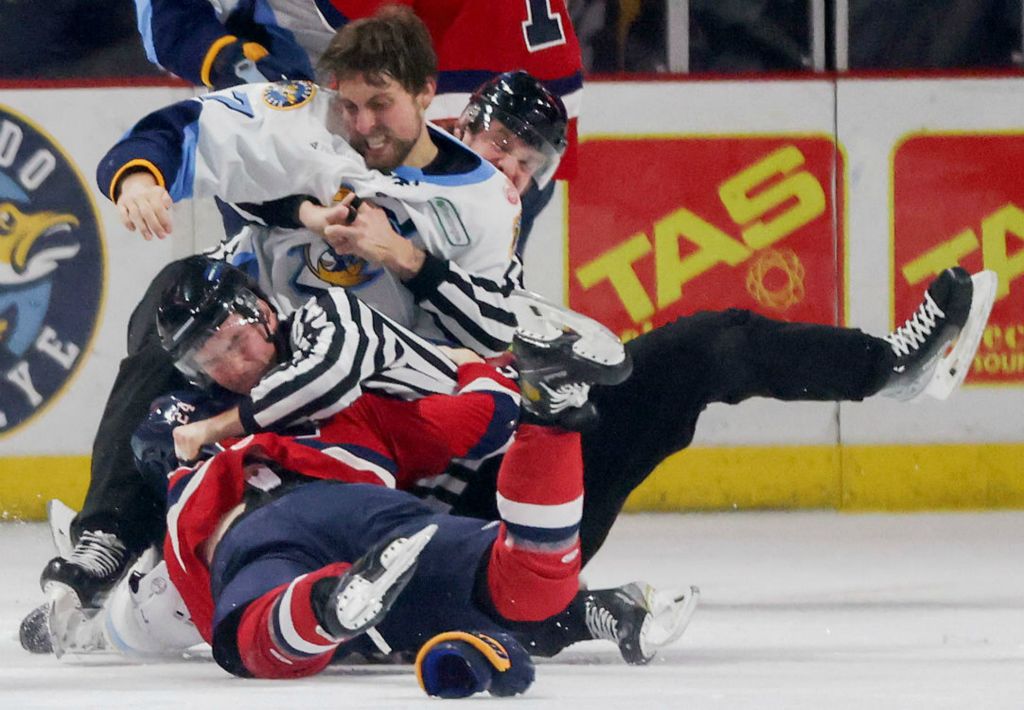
point(51, 269)
point(286, 95)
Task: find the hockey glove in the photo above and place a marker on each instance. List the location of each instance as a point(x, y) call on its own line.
point(242, 62)
point(457, 664)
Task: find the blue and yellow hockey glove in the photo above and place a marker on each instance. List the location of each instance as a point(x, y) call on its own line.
point(457, 664)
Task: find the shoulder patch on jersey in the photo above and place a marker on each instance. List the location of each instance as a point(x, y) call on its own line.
point(446, 215)
point(286, 95)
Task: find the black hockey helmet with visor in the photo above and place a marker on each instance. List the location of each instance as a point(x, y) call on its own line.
point(526, 109)
point(208, 297)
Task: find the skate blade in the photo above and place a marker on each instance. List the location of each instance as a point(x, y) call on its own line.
point(954, 366)
point(63, 610)
point(370, 595)
point(671, 612)
point(540, 319)
point(60, 516)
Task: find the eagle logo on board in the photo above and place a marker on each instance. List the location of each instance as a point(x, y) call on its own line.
point(51, 269)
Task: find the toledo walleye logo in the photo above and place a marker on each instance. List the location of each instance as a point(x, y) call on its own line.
point(286, 95)
point(51, 269)
point(336, 269)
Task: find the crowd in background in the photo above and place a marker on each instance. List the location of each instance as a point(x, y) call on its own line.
point(68, 39)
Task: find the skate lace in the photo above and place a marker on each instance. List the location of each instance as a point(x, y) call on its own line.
point(600, 622)
point(572, 394)
point(98, 553)
point(912, 334)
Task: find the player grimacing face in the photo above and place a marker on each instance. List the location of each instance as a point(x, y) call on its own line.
point(238, 354)
point(383, 121)
point(507, 152)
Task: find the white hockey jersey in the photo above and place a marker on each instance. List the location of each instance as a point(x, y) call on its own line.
point(262, 142)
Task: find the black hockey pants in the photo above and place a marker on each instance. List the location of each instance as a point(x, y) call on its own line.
point(680, 368)
point(118, 500)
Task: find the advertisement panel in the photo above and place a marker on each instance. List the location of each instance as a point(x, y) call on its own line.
point(958, 199)
point(661, 226)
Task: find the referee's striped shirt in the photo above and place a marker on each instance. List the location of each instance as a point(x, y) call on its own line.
point(339, 348)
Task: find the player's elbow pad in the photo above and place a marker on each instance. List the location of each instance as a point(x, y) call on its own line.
point(457, 664)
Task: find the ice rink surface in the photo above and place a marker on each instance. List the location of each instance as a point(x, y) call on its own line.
point(798, 610)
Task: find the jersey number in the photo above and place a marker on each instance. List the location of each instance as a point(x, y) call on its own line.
point(543, 28)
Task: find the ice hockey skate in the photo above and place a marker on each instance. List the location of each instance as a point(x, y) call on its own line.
point(639, 618)
point(365, 593)
point(934, 348)
point(559, 354)
point(33, 632)
point(95, 564)
point(70, 627)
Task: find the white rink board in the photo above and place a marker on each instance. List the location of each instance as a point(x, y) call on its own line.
point(872, 114)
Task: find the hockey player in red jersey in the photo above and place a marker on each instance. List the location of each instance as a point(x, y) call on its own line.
point(261, 537)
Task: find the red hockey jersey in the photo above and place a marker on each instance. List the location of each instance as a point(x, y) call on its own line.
point(377, 440)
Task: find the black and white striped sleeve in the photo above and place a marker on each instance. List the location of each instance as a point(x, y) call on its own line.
point(341, 346)
point(469, 309)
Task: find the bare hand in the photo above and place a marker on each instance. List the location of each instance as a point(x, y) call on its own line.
point(371, 237)
point(460, 356)
point(145, 206)
point(189, 439)
point(316, 218)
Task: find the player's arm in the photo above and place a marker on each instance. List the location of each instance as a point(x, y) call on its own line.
point(231, 144)
point(469, 307)
point(339, 342)
point(187, 38)
point(480, 419)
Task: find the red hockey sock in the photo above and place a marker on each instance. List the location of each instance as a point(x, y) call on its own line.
point(535, 562)
point(279, 636)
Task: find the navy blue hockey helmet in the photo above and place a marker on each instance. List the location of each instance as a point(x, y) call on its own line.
point(206, 293)
point(153, 441)
point(526, 108)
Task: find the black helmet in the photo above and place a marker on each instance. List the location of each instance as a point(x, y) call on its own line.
point(528, 109)
point(206, 293)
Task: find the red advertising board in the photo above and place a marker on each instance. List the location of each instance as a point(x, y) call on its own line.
point(665, 226)
point(959, 199)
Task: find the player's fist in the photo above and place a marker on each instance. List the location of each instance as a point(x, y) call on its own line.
point(144, 205)
point(457, 664)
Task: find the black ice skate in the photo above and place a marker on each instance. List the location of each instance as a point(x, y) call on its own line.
point(639, 618)
point(360, 598)
point(559, 354)
point(33, 632)
point(95, 564)
point(935, 347)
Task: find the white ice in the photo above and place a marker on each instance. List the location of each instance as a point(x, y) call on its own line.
point(799, 610)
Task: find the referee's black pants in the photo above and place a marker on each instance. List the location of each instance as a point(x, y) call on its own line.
point(118, 499)
point(680, 368)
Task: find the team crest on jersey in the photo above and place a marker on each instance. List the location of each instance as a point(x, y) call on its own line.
point(342, 270)
point(51, 269)
point(286, 95)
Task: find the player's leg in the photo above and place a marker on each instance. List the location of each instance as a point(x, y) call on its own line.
point(285, 591)
point(533, 568)
point(143, 617)
point(532, 573)
point(730, 356)
point(120, 516)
